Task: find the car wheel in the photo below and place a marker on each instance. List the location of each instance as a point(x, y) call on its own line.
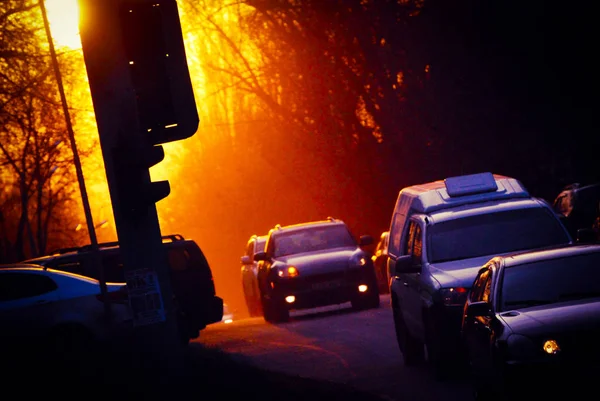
point(274, 313)
point(411, 348)
point(435, 358)
point(382, 280)
point(254, 307)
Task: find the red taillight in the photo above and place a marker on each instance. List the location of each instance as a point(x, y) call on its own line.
point(120, 296)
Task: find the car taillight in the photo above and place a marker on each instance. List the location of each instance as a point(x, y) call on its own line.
point(120, 296)
point(454, 296)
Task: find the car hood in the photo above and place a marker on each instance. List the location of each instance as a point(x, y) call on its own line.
point(333, 259)
point(458, 273)
point(555, 318)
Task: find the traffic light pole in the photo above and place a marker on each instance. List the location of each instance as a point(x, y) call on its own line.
point(78, 169)
point(128, 154)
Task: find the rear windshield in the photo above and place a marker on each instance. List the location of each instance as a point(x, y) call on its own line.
point(494, 233)
point(551, 281)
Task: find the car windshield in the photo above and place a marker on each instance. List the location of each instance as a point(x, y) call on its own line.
point(312, 240)
point(551, 281)
point(494, 234)
point(260, 244)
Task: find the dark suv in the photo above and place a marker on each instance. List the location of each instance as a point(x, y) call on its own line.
point(314, 264)
point(191, 276)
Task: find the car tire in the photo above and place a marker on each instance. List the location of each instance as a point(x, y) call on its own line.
point(434, 356)
point(254, 307)
point(411, 348)
point(274, 313)
point(382, 280)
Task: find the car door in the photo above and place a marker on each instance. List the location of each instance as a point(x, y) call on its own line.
point(411, 282)
point(27, 302)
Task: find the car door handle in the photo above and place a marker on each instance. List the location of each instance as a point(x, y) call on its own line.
point(42, 301)
point(405, 284)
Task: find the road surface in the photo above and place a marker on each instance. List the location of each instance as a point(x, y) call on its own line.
point(336, 344)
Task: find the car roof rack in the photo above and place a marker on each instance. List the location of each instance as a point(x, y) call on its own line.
point(171, 237)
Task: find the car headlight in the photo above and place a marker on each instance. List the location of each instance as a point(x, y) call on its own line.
point(551, 347)
point(521, 347)
point(289, 271)
point(454, 296)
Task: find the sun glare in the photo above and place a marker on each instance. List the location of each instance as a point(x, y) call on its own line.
point(64, 22)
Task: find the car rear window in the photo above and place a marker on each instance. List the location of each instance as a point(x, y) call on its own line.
point(494, 234)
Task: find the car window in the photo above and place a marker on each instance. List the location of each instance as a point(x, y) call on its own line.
point(24, 285)
point(562, 204)
point(494, 234)
point(196, 259)
point(260, 244)
point(417, 248)
point(396, 234)
point(178, 259)
point(551, 281)
point(479, 286)
point(487, 288)
point(410, 237)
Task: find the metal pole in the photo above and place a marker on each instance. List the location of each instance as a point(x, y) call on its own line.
point(77, 161)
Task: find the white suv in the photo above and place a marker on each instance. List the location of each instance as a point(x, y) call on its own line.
point(441, 234)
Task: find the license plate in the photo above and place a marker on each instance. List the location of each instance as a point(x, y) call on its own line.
point(326, 285)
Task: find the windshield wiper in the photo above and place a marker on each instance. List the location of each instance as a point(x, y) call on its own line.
point(578, 295)
point(528, 302)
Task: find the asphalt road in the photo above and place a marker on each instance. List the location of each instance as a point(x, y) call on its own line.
point(336, 344)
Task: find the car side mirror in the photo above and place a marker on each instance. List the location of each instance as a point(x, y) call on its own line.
point(404, 264)
point(246, 260)
point(262, 255)
point(586, 235)
point(479, 308)
point(365, 240)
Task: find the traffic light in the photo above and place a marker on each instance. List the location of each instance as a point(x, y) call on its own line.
point(154, 48)
point(141, 43)
point(135, 189)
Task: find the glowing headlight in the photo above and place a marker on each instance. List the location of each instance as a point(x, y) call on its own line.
point(289, 271)
point(551, 347)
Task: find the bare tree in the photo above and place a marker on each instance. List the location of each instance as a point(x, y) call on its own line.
point(37, 174)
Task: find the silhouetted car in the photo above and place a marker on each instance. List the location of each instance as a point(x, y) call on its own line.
point(380, 258)
point(314, 264)
point(578, 207)
point(191, 277)
point(532, 321)
point(59, 311)
point(249, 272)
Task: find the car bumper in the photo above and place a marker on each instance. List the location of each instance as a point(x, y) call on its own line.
point(548, 377)
point(327, 289)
